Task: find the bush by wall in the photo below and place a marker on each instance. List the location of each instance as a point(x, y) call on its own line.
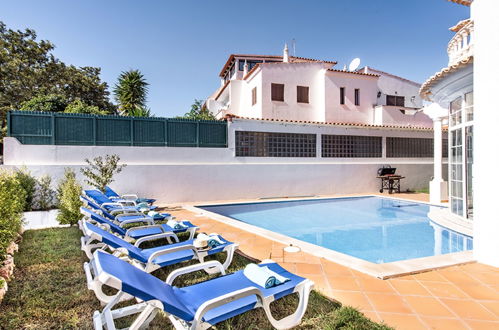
point(12, 202)
point(68, 194)
point(44, 199)
point(28, 184)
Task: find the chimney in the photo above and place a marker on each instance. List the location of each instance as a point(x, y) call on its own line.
point(365, 69)
point(245, 68)
point(285, 54)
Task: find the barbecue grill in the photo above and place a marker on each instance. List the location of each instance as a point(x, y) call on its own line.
point(389, 180)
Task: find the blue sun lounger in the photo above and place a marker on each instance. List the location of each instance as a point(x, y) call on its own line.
point(116, 205)
point(157, 257)
point(114, 195)
point(149, 230)
point(198, 306)
point(120, 212)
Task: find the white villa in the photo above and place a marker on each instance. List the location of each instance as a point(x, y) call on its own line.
point(464, 99)
point(303, 89)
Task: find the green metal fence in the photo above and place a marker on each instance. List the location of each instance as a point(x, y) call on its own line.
point(79, 129)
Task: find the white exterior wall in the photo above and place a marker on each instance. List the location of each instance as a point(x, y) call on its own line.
point(349, 112)
point(391, 85)
point(293, 75)
point(202, 174)
point(246, 108)
point(391, 115)
point(486, 133)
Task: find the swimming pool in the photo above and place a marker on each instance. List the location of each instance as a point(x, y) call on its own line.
point(375, 229)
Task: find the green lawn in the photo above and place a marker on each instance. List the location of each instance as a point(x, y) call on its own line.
point(49, 292)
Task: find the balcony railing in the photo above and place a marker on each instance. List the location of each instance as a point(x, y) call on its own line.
point(461, 45)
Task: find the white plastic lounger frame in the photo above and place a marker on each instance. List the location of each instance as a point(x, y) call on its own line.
point(148, 309)
point(91, 241)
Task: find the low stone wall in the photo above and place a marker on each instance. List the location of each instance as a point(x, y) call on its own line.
point(7, 268)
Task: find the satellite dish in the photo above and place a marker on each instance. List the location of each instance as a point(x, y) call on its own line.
point(354, 64)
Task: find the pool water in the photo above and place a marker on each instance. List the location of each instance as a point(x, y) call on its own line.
point(374, 229)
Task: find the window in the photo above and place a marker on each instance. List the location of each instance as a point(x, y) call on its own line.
point(455, 111)
point(409, 147)
point(468, 100)
point(253, 96)
point(251, 64)
point(301, 94)
point(342, 95)
point(277, 92)
point(269, 144)
point(395, 100)
point(351, 146)
point(357, 96)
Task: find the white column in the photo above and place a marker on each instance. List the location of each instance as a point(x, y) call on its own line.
point(438, 188)
point(437, 149)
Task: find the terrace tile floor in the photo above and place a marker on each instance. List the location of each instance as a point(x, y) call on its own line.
point(458, 297)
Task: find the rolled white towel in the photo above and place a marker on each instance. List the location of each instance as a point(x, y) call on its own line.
point(263, 276)
point(176, 224)
point(213, 240)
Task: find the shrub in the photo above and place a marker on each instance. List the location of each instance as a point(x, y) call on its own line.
point(100, 171)
point(12, 201)
point(28, 184)
point(68, 193)
point(44, 199)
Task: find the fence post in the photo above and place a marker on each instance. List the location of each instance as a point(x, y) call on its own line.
point(131, 131)
point(94, 130)
point(8, 123)
point(166, 131)
point(52, 124)
point(197, 134)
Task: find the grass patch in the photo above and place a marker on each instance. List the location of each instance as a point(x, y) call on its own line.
point(49, 292)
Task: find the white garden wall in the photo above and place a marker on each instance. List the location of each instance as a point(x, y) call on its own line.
point(201, 174)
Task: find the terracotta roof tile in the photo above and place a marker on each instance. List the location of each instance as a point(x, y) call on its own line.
point(222, 89)
point(277, 57)
point(389, 74)
point(420, 128)
point(462, 2)
point(459, 25)
point(424, 91)
point(354, 72)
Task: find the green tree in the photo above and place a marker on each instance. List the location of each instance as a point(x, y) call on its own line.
point(100, 171)
point(51, 102)
point(78, 106)
point(140, 112)
point(28, 183)
point(199, 112)
point(68, 195)
point(131, 92)
point(28, 69)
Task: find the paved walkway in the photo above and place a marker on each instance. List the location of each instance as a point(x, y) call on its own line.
point(459, 297)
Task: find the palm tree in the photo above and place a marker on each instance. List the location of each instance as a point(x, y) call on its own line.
point(139, 112)
point(130, 92)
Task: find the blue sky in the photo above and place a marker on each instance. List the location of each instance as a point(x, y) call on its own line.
point(180, 46)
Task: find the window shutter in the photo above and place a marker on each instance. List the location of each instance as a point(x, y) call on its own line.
point(302, 94)
point(277, 92)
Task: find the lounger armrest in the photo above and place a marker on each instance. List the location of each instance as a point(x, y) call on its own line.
point(166, 235)
point(145, 219)
point(167, 250)
point(134, 229)
point(225, 299)
point(133, 197)
point(194, 268)
point(134, 212)
point(115, 204)
point(125, 202)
